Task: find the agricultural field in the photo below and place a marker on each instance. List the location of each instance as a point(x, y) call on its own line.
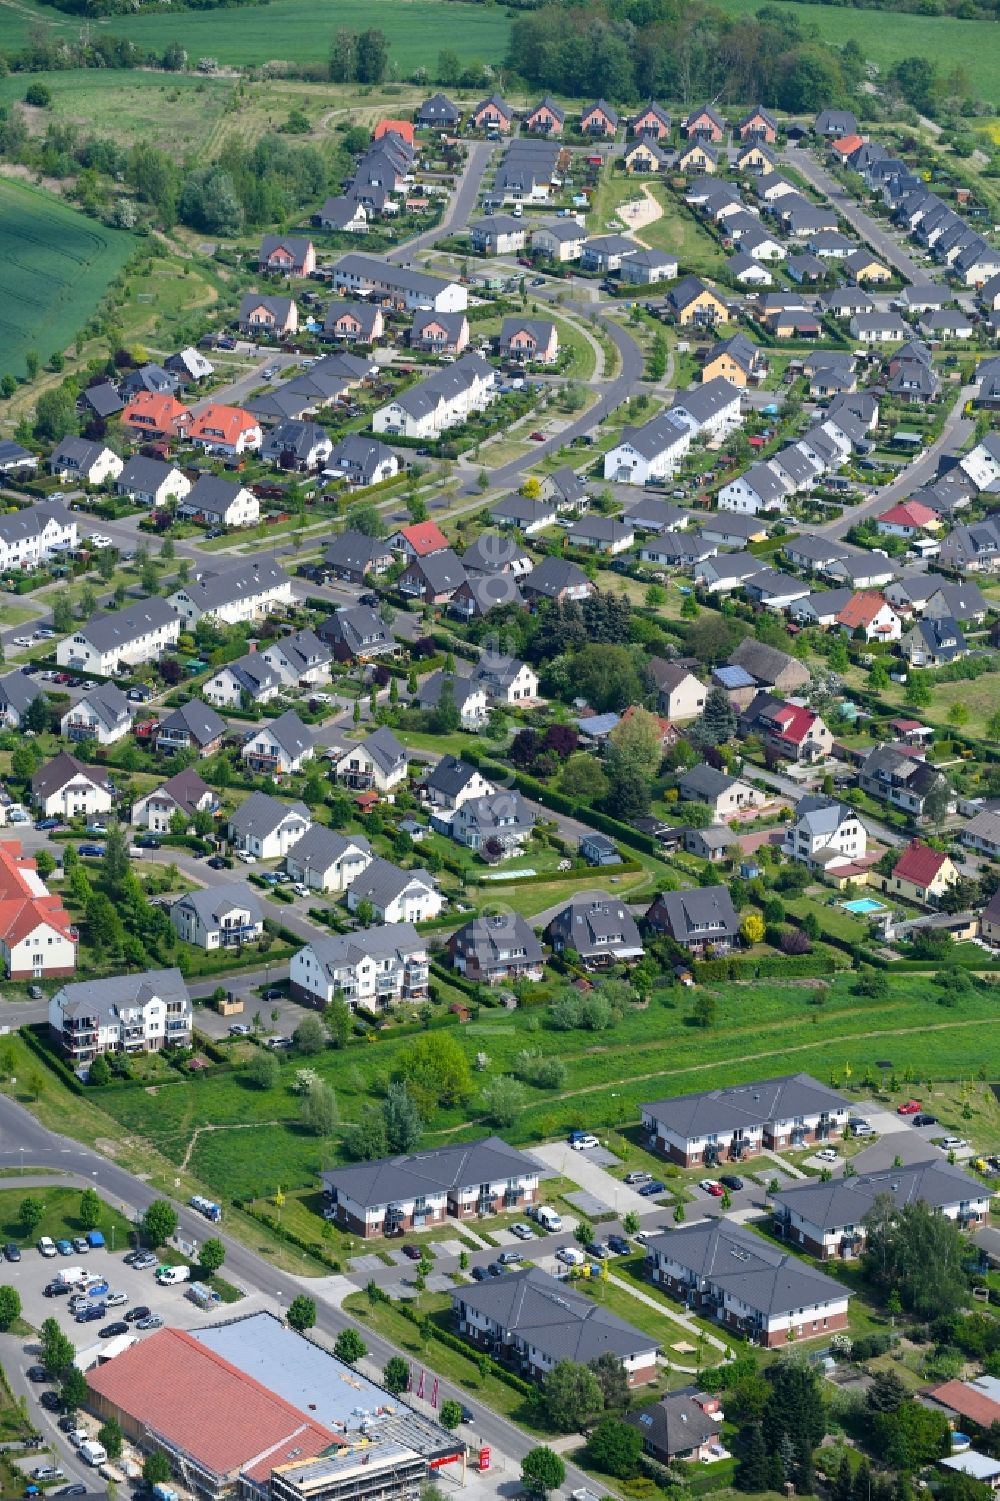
point(292, 30)
point(58, 264)
point(254, 1143)
point(971, 45)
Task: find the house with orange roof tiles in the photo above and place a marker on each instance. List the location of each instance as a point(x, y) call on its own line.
point(419, 540)
point(873, 614)
point(908, 519)
point(226, 430)
point(151, 415)
point(401, 128)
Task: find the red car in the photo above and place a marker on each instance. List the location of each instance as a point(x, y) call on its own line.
point(537, 437)
point(710, 1186)
point(911, 1107)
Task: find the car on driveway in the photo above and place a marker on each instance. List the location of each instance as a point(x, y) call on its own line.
point(64, 1247)
point(910, 1107)
point(47, 1472)
point(732, 1181)
point(522, 1231)
point(710, 1186)
point(570, 1256)
point(619, 1245)
point(828, 1154)
point(414, 1252)
point(598, 1250)
point(46, 825)
point(220, 862)
point(496, 1269)
point(636, 1179)
point(91, 851)
point(653, 1187)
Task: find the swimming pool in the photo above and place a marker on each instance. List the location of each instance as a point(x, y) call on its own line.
point(863, 906)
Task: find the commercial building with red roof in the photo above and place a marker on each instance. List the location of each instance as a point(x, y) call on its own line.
point(150, 415)
point(873, 614)
point(419, 540)
point(227, 430)
point(922, 874)
point(907, 519)
point(37, 938)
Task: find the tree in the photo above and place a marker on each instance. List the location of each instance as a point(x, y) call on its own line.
point(612, 1379)
point(32, 363)
point(337, 1018)
point(583, 780)
point(705, 1009)
point(10, 1307)
point(917, 1252)
point(403, 1123)
point(29, 1216)
point(301, 1313)
point(436, 1071)
point(365, 1140)
point(795, 1417)
point(542, 1470)
point(310, 1035)
point(62, 614)
point(629, 789)
point(212, 1255)
point(156, 1468)
point(91, 1209)
point(752, 928)
point(57, 1351)
point(99, 1072)
point(886, 1393)
point(74, 1389)
point(639, 740)
point(349, 1346)
point(936, 802)
point(614, 1447)
point(55, 415)
point(115, 865)
point(111, 1436)
point(396, 1376)
point(717, 723)
point(909, 1437)
point(605, 675)
point(159, 1222)
point(365, 518)
point(503, 1100)
point(451, 1413)
point(445, 717)
point(36, 715)
point(753, 1474)
point(319, 1110)
point(264, 1070)
point(572, 1396)
point(372, 56)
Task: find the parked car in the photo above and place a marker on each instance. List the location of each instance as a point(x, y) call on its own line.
point(110, 1331)
point(649, 1189)
point(135, 1315)
point(91, 851)
point(144, 1260)
point(636, 1178)
point(64, 1247)
point(88, 1315)
point(710, 1186)
point(619, 1245)
point(239, 1029)
point(148, 842)
point(115, 1300)
point(911, 1107)
point(46, 825)
point(480, 1274)
point(523, 1232)
point(36, 1373)
point(47, 1472)
point(828, 1154)
point(11, 1252)
point(151, 1321)
point(51, 1401)
point(923, 1119)
point(81, 1244)
point(220, 862)
point(598, 1250)
point(509, 1258)
point(413, 1252)
point(861, 1128)
point(496, 1269)
point(570, 1256)
point(954, 1143)
point(583, 1141)
point(47, 1246)
point(731, 1180)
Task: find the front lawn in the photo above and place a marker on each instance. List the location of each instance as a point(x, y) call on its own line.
point(60, 1218)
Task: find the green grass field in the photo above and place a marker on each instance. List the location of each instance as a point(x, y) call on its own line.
point(57, 266)
point(971, 45)
point(176, 109)
point(293, 30)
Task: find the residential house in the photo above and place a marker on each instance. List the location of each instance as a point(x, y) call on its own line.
point(605, 253)
point(934, 642)
point(871, 614)
point(832, 124)
point(506, 679)
point(268, 317)
point(326, 860)
point(974, 548)
point(982, 462)
point(439, 333)
point(36, 535)
point(714, 844)
point(143, 1012)
point(825, 833)
point(346, 215)
point(189, 365)
point(433, 578)
point(699, 919)
point(737, 360)
point(469, 697)
point(752, 1288)
point(710, 411)
point(989, 922)
point(647, 267)
point(234, 593)
point(102, 715)
point(562, 240)
point(732, 1124)
point(547, 118)
point(724, 573)
point(247, 680)
point(361, 461)
point(598, 927)
point(414, 1190)
point(646, 156)
point(399, 286)
point(18, 692)
point(680, 694)
point(439, 110)
point(599, 119)
point(493, 553)
point(64, 788)
point(483, 592)
point(534, 1321)
point(770, 667)
point(354, 322)
point(279, 748)
point(302, 659)
point(374, 969)
point(774, 589)
point(725, 795)
point(604, 534)
point(830, 1220)
point(290, 255)
point(84, 462)
point(657, 516)
point(220, 917)
point(184, 793)
point(297, 446)
point(530, 340)
point(651, 120)
point(921, 874)
point(418, 540)
point(148, 416)
point(357, 633)
point(440, 401)
point(150, 482)
point(648, 453)
point(908, 518)
point(684, 1425)
point(37, 938)
point(758, 491)
point(225, 430)
point(698, 156)
point(556, 578)
point(100, 400)
point(109, 643)
point(220, 502)
point(598, 849)
point(704, 124)
point(498, 234)
point(759, 125)
point(878, 328)
point(192, 725)
point(377, 763)
point(452, 782)
point(497, 949)
point(692, 302)
point(894, 774)
point(395, 895)
point(266, 828)
point(791, 730)
point(496, 825)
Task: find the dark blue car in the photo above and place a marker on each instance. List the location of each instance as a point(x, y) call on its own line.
point(91, 851)
point(649, 1189)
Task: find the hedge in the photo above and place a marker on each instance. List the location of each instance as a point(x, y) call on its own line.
point(271, 1221)
point(767, 967)
point(52, 1061)
point(453, 1342)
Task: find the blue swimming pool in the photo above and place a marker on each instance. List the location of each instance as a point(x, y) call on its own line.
point(863, 906)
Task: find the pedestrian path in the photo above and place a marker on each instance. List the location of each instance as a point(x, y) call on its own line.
point(784, 1164)
point(684, 1319)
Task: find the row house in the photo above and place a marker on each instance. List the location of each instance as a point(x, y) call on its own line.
point(30, 538)
point(441, 401)
point(719, 1125)
point(37, 937)
point(111, 642)
point(234, 593)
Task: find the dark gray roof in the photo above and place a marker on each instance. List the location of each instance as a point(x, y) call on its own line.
point(693, 1116)
point(548, 1317)
point(320, 847)
point(465, 1165)
point(247, 579)
point(450, 776)
point(496, 936)
point(771, 1281)
point(522, 510)
point(203, 723)
point(675, 1424)
point(846, 1201)
point(702, 914)
point(706, 782)
point(106, 631)
point(280, 307)
point(290, 733)
point(299, 438)
point(822, 815)
point(358, 628)
point(108, 703)
point(595, 923)
point(360, 455)
point(252, 674)
point(382, 882)
point(108, 998)
point(17, 691)
point(186, 789)
point(213, 904)
point(260, 814)
point(103, 399)
point(302, 650)
point(765, 663)
point(553, 575)
point(144, 475)
point(211, 495)
point(656, 436)
point(63, 769)
point(493, 553)
point(442, 571)
point(384, 749)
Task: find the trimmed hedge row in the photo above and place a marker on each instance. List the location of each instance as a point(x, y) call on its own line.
point(767, 967)
point(453, 1342)
point(62, 1071)
point(272, 1223)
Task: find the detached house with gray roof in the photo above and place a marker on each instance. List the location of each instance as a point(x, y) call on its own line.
point(250, 679)
point(357, 633)
point(279, 748)
point(220, 917)
point(361, 461)
point(184, 793)
point(395, 895)
point(497, 949)
point(101, 715)
point(266, 828)
point(326, 860)
point(719, 1125)
point(701, 918)
point(599, 927)
point(417, 1189)
point(825, 833)
point(374, 969)
point(192, 725)
point(150, 482)
point(753, 1288)
point(220, 502)
point(533, 1321)
point(17, 692)
point(85, 462)
point(375, 764)
point(302, 658)
point(137, 1013)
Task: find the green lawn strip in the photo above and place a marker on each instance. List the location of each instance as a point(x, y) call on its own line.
point(665, 1330)
point(60, 1217)
point(386, 1320)
point(632, 1269)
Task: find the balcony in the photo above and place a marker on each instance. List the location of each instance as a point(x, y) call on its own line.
point(231, 937)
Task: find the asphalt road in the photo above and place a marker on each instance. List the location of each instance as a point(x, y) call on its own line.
point(881, 241)
point(460, 207)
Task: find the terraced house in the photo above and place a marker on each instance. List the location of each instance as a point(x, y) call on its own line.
point(719, 1125)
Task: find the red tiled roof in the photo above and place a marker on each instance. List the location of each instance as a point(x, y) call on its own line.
point(403, 128)
point(847, 145)
point(202, 1405)
point(967, 1402)
point(910, 513)
point(860, 610)
point(424, 537)
point(216, 419)
point(919, 863)
point(21, 910)
point(795, 722)
point(152, 411)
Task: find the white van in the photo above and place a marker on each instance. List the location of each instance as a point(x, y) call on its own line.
point(167, 1276)
point(93, 1453)
point(72, 1276)
point(548, 1219)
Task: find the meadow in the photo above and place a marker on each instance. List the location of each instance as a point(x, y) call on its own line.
point(971, 45)
point(163, 109)
point(255, 1143)
point(57, 266)
point(293, 30)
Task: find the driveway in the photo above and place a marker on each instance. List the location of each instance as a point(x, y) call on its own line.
point(587, 1174)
